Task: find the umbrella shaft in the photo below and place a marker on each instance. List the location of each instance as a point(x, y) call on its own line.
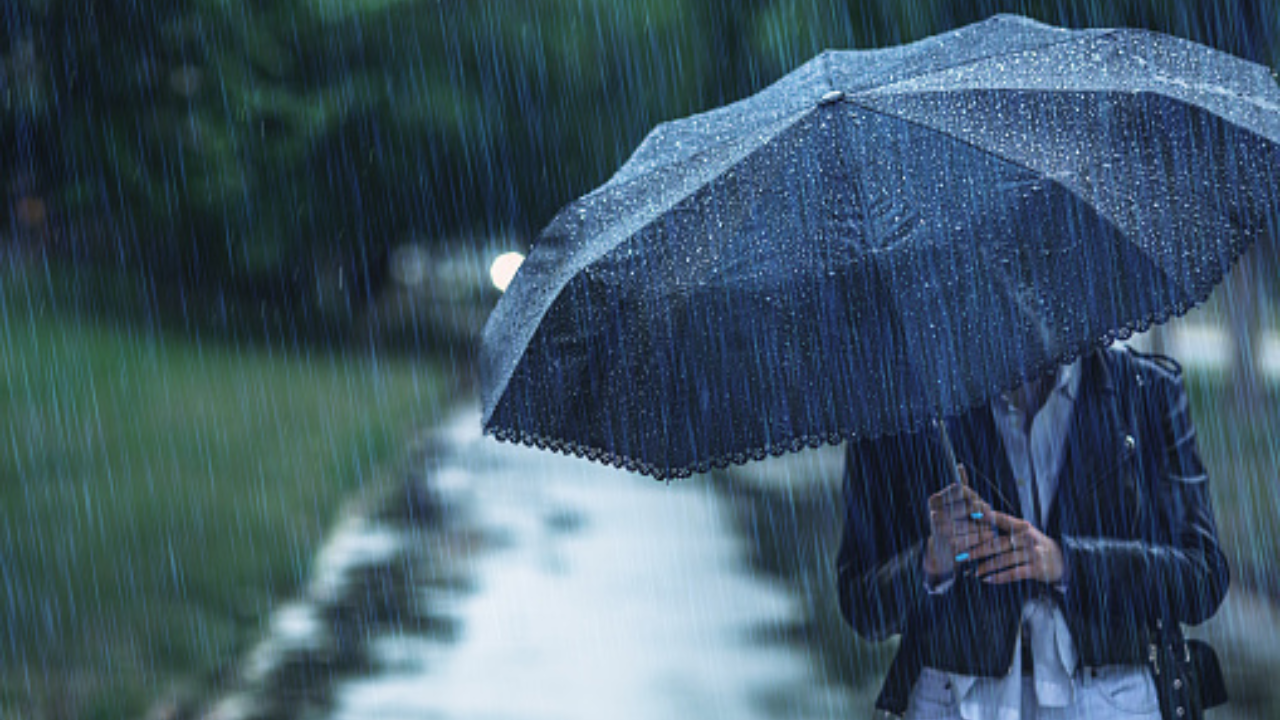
point(948, 450)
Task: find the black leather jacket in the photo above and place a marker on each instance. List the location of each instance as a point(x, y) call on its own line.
point(1132, 515)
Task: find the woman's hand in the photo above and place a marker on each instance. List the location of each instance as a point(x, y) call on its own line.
point(957, 525)
point(1020, 552)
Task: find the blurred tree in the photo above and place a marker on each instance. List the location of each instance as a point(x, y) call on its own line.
point(262, 145)
point(279, 148)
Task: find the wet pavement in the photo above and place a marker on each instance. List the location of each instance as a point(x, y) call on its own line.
point(608, 595)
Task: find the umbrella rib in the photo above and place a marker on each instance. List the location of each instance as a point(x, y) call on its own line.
point(1261, 102)
point(984, 58)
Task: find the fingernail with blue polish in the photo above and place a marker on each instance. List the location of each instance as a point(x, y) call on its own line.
point(962, 557)
point(976, 516)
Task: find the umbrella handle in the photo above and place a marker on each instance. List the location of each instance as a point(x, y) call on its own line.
point(949, 451)
point(965, 567)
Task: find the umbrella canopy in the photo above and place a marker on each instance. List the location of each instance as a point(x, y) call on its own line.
point(881, 238)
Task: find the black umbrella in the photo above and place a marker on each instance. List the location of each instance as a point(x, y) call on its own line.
point(881, 238)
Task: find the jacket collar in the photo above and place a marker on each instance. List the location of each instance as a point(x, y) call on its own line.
point(1066, 382)
point(1094, 440)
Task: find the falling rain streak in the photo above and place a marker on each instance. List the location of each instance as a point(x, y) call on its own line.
point(248, 252)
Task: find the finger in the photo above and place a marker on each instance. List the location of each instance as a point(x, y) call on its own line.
point(961, 504)
point(962, 493)
point(1021, 572)
point(938, 500)
point(994, 545)
point(950, 524)
point(968, 519)
point(968, 552)
point(1003, 561)
point(1024, 571)
point(967, 516)
point(965, 548)
point(1008, 523)
point(949, 495)
point(968, 545)
point(967, 530)
point(956, 490)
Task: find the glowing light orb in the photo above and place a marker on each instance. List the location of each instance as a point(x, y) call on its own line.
point(504, 268)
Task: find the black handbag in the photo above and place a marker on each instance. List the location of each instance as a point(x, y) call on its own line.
point(1187, 675)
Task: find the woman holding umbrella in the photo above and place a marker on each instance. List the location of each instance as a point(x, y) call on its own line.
point(833, 258)
point(1053, 579)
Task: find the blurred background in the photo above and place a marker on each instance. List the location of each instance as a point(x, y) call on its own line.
point(246, 249)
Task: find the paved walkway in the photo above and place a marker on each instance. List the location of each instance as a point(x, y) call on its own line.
point(611, 596)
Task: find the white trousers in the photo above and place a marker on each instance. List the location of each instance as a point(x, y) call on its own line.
point(1126, 693)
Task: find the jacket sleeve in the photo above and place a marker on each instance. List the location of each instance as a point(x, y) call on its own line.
point(1178, 570)
point(879, 567)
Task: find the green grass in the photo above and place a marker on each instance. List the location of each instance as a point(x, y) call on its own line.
point(159, 494)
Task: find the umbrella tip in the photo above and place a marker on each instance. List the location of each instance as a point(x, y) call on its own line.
point(1016, 18)
point(832, 96)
